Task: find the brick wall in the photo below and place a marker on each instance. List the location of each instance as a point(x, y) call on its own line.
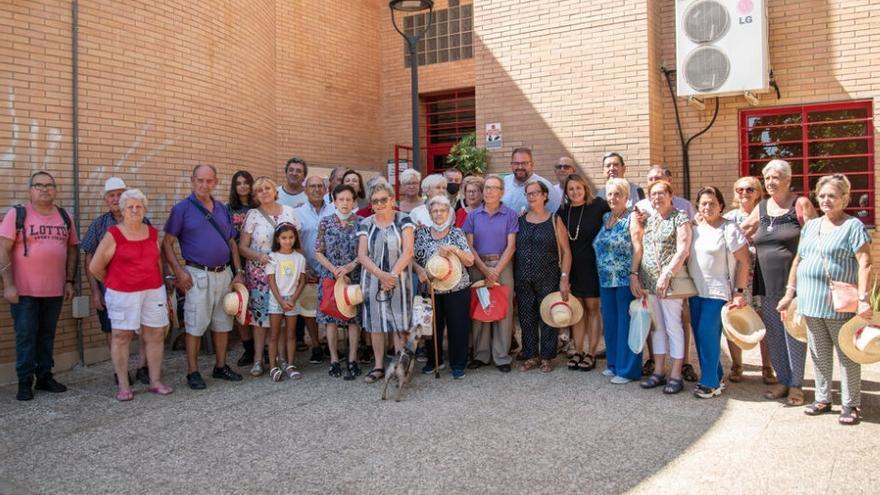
point(328, 82)
point(164, 85)
point(566, 78)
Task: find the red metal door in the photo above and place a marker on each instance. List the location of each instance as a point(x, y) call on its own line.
point(448, 117)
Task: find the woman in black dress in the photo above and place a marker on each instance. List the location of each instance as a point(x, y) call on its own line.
point(582, 216)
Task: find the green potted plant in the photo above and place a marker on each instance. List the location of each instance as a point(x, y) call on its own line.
point(467, 157)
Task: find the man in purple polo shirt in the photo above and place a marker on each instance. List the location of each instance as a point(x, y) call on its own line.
point(204, 230)
point(491, 233)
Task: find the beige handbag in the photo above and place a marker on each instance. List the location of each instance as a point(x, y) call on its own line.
point(682, 285)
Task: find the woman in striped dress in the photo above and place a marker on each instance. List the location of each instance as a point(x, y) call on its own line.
point(838, 246)
point(385, 248)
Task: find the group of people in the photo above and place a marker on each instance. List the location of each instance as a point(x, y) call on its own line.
point(278, 260)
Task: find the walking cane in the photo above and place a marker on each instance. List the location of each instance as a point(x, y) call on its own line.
point(434, 333)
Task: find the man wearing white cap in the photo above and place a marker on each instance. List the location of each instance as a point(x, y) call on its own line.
point(113, 188)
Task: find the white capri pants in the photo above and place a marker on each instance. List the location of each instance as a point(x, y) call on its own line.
point(667, 321)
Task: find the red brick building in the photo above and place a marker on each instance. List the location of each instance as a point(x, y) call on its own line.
point(167, 84)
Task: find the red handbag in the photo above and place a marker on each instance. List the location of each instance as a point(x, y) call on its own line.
point(328, 300)
point(497, 308)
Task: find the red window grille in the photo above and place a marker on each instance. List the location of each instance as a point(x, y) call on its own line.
point(448, 117)
point(816, 140)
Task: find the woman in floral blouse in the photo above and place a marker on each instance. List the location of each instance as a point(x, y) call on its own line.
point(613, 247)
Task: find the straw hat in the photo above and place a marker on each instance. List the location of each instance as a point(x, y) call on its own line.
point(560, 314)
point(742, 326)
point(445, 271)
point(236, 303)
point(859, 339)
point(347, 296)
point(308, 300)
point(795, 324)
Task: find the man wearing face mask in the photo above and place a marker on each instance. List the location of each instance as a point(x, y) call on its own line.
point(310, 214)
point(454, 179)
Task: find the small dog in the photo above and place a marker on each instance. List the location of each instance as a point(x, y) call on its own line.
point(400, 370)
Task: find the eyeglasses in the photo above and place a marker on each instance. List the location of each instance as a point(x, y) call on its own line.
point(316, 186)
point(380, 201)
point(520, 164)
point(492, 187)
point(533, 194)
point(740, 190)
point(43, 187)
point(562, 166)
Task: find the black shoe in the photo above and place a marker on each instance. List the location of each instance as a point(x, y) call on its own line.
point(422, 354)
point(504, 368)
point(247, 357)
point(25, 391)
point(475, 364)
point(317, 355)
point(226, 373)
point(142, 375)
point(195, 381)
point(47, 382)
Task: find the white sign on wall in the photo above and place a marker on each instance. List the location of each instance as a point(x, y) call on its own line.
point(493, 136)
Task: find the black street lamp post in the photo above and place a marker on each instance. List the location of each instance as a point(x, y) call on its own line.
point(412, 41)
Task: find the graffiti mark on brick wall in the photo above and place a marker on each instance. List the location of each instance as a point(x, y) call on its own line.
point(37, 142)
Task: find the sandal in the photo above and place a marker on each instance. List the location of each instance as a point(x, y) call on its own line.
point(777, 392)
point(276, 374)
point(124, 395)
point(653, 381)
point(374, 375)
point(292, 372)
point(674, 386)
point(850, 415)
point(588, 363)
point(160, 389)
point(575, 360)
point(529, 364)
point(352, 371)
point(648, 368)
point(688, 373)
point(817, 408)
point(335, 370)
point(795, 397)
point(546, 366)
point(736, 373)
point(769, 377)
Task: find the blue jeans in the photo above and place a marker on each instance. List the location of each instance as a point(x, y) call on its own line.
point(706, 322)
point(615, 318)
point(35, 319)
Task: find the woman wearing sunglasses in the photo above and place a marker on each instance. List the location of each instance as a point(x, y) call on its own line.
point(747, 193)
point(385, 248)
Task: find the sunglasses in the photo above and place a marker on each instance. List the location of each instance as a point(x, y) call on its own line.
point(381, 201)
point(740, 190)
point(562, 166)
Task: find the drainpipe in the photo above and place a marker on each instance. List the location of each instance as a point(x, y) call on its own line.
point(77, 285)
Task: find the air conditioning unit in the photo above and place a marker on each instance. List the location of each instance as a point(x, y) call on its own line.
point(721, 47)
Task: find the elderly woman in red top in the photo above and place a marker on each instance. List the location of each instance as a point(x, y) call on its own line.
point(127, 261)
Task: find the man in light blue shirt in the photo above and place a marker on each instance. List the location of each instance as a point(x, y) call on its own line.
point(310, 214)
point(522, 166)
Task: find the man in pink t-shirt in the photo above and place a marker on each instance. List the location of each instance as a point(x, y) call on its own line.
point(37, 266)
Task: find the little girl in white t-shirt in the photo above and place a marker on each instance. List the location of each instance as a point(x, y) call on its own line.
point(286, 272)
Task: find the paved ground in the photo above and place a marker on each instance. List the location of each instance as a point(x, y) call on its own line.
point(564, 432)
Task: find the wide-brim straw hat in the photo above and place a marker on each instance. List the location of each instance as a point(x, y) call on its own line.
point(795, 324)
point(560, 314)
point(742, 326)
point(859, 339)
point(236, 302)
point(348, 296)
point(308, 300)
point(445, 271)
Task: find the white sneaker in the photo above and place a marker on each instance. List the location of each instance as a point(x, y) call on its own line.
point(257, 368)
point(619, 380)
point(607, 373)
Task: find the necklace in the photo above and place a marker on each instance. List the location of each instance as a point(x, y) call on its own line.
point(614, 218)
point(577, 231)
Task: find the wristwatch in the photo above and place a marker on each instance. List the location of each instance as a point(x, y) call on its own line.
point(863, 297)
point(740, 290)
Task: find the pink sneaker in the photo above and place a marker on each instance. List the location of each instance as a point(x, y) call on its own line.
point(161, 389)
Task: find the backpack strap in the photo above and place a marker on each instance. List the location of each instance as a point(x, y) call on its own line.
point(20, 214)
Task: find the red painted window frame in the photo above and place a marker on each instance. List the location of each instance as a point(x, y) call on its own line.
point(461, 127)
point(805, 140)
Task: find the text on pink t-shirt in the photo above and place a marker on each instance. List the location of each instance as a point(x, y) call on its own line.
point(41, 273)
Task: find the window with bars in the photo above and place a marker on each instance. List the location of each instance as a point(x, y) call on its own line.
point(448, 118)
point(449, 38)
point(816, 140)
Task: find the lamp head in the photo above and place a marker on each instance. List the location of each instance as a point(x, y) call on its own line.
point(411, 6)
